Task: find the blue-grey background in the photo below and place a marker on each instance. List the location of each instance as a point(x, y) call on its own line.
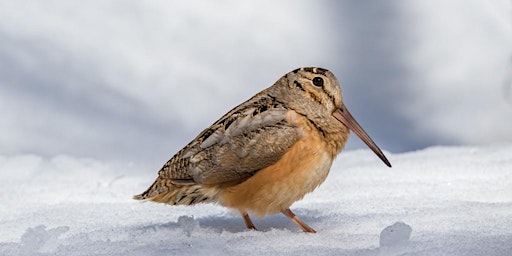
point(137, 80)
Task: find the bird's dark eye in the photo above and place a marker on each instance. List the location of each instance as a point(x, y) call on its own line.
point(318, 81)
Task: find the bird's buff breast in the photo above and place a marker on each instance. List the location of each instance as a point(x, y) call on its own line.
point(273, 189)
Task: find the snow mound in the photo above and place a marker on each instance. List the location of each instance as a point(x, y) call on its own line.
point(395, 235)
point(188, 224)
point(37, 240)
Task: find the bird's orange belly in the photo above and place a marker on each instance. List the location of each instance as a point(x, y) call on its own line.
point(275, 188)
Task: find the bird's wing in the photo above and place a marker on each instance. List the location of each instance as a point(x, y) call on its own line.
point(250, 137)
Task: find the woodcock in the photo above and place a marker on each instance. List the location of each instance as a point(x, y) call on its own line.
point(267, 152)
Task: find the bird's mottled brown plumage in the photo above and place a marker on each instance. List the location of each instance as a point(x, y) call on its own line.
point(266, 153)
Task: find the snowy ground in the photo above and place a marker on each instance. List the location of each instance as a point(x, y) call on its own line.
point(455, 200)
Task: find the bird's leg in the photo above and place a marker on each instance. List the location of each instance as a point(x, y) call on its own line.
point(297, 221)
point(248, 221)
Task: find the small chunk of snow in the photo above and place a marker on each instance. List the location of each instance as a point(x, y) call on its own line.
point(396, 234)
point(188, 224)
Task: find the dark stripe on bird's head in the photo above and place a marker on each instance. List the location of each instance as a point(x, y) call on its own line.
point(313, 70)
point(298, 85)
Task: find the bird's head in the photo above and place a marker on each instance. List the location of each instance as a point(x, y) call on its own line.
point(316, 93)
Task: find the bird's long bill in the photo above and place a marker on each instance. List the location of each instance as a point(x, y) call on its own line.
point(347, 119)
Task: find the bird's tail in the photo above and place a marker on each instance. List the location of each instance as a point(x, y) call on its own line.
point(165, 191)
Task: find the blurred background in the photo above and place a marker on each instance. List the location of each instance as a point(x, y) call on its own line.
point(136, 80)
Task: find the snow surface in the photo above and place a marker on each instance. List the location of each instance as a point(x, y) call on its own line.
point(437, 201)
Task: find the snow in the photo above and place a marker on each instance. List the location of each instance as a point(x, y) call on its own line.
point(395, 235)
point(436, 201)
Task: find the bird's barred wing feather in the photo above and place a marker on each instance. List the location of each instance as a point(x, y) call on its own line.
point(250, 137)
